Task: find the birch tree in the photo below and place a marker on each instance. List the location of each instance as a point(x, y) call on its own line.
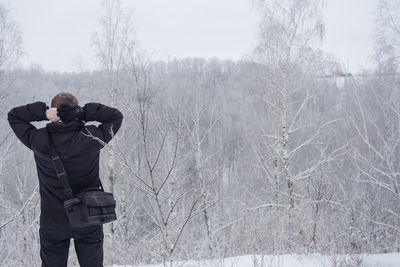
point(387, 35)
point(110, 47)
point(169, 199)
point(290, 147)
point(373, 117)
point(10, 52)
point(199, 125)
point(13, 212)
point(10, 41)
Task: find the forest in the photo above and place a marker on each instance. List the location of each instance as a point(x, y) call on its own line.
point(281, 152)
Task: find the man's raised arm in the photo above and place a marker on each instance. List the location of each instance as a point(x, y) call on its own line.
point(20, 119)
point(110, 119)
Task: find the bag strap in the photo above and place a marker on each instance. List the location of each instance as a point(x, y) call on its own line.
point(59, 168)
point(101, 185)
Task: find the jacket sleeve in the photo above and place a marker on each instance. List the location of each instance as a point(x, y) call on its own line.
point(110, 119)
point(20, 119)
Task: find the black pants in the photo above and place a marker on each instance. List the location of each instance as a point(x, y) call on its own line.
point(54, 246)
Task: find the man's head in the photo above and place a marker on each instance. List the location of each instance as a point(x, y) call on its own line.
point(63, 98)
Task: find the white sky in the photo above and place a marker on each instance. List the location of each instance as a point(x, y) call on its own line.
point(57, 33)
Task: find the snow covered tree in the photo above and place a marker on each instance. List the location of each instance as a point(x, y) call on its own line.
point(110, 46)
point(387, 35)
point(291, 146)
point(10, 41)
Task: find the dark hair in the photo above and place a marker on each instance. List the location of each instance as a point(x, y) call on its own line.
point(63, 98)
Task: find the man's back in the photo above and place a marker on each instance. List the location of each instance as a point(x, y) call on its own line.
point(79, 148)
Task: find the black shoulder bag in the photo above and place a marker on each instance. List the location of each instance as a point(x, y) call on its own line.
point(89, 208)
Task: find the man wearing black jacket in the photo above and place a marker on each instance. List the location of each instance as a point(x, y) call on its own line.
point(79, 147)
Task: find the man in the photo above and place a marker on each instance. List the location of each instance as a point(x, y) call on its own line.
point(79, 148)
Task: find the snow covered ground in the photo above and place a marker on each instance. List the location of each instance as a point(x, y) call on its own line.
point(311, 260)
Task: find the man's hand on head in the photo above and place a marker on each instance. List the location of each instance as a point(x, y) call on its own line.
point(71, 112)
point(51, 115)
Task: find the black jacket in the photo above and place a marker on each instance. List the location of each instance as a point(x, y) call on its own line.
point(79, 148)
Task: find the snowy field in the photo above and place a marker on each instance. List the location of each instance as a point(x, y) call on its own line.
point(311, 260)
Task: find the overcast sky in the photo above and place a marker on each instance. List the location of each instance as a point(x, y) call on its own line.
point(57, 33)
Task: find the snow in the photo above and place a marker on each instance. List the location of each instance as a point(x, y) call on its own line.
point(293, 260)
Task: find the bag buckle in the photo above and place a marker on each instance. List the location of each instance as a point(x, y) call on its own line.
point(67, 191)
